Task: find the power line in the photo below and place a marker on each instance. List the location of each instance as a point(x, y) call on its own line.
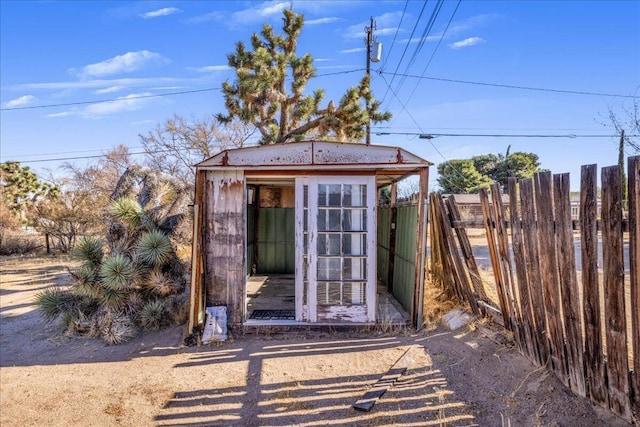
point(68, 104)
point(159, 95)
point(423, 135)
point(98, 156)
point(540, 89)
point(393, 42)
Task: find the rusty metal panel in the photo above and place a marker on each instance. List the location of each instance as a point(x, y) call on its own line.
point(313, 154)
point(331, 153)
point(270, 155)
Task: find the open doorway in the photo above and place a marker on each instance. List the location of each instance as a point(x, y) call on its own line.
point(270, 285)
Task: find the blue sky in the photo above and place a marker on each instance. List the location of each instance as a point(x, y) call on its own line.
point(72, 53)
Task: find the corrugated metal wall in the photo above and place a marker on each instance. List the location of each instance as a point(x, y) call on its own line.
point(276, 240)
point(384, 233)
point(251, 209)
point(405, 251)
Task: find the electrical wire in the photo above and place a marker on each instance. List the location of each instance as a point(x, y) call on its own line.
point(159, 95)
point(393, 42)
point(424, 5)
point(506, 86)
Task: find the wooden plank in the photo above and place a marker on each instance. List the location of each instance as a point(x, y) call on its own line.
point(467, 252)
point(568, 283)
point(549, 272)
point(526, 313)
point(532, 256)
point(366, 402)
point(595, 373)
point(613, 266)
point(495, 261)
point(505, 264)
point(423, 193)
point(460, 275)
point(225, 242)
point(633, 191)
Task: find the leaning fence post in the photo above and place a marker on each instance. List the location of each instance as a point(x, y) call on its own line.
point(613, 263)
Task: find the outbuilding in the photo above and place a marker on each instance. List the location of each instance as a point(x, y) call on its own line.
point(309, 233)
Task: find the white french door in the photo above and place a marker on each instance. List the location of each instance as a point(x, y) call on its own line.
point(335, 260)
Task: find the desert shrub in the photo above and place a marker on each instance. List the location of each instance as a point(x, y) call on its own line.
point(131, 281)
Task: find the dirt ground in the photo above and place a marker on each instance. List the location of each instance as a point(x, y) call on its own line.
point(305, 378)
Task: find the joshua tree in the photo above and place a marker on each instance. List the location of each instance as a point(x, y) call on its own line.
point(133, 279)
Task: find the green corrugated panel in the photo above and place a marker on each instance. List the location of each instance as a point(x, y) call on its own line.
point(276, 240)
point(383, 234)
point(250, 234)
point(404, 263)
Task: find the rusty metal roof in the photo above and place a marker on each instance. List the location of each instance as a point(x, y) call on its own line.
point(319, 155)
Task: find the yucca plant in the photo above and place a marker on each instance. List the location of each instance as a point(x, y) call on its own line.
point(127, 211)
point(89, 250)
point(54, 301)
point(160, 284)
point(154, 247)
point(115, 328)
point(153, 315)
point(132, 279)
point(116, 272)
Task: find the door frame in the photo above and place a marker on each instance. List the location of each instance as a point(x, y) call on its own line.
point(306, 311)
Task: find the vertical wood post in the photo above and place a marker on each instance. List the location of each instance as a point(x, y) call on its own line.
point(633, 188)
point(613, 263)
point(505, 264)
point(521, 272)
point(422, 241)
point(568, 283)
point(532, 255)
point(489, 222)
point(467, 252)
point(595, 371)
point(549, 272)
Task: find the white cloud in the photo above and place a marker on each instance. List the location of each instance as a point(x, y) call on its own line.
point(161, 12)
point(20, 102)
point(259, 13)
point(385, 24)
point(129, 102)
point(355, 50)
point(420, 39)
point(210, 68)
point(109, 89)
point(126, 63)
point(207, 17)
point(61, 114)
point(333, 67)
point(321, 21)
point(471, 41)
point(101, 83)
point(472, 23)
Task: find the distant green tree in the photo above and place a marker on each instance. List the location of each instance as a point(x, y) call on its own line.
point(260, 96)
point(470, 175)
point(461, 176)
point(21, 188)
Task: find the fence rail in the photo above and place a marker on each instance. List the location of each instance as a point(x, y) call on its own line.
point(558, 316)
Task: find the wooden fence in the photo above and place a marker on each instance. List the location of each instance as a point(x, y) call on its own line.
point(558, 314)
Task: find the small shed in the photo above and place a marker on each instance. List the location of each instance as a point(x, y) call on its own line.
point(295, 234)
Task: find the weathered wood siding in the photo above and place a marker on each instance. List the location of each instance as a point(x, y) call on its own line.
point(224, 241)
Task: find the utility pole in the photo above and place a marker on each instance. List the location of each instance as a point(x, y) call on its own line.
point(369, 31)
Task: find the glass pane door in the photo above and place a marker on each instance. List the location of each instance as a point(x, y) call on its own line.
point(341, 285)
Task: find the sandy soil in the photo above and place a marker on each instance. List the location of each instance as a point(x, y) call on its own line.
point(306, 378)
